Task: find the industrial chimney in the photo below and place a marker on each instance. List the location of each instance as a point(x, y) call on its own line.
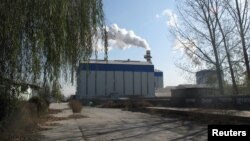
point(148, 56)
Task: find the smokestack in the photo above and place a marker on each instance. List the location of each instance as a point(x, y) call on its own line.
point(148, 56)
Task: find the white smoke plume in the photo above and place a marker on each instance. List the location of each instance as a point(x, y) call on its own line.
point(122, 38)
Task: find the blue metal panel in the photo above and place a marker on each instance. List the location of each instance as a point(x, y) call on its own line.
point(116, 67)
point(144, 84)
point(110, 83)
point(119, 82)
point(91, 84)
point(151, 88)
point(137, 83)
point(161, 82)
point(100, 83)
point(128, 83)
point(158, 73)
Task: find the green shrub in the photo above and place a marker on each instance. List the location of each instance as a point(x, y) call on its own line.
point(75, 105)
point(8, 103)
point(45, 94)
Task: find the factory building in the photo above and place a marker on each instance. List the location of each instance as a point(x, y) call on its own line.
point(207, 77)
point(158, 79)
point(117, 78)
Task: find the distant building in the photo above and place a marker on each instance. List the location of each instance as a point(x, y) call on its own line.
point(158, 79)
point(117, 78)
point(206, 77)
point(28, 93)
point(23, 91)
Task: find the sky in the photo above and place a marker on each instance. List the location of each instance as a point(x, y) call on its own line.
point(149, 20)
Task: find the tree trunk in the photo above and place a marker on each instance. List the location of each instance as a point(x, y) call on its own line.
point(212, 33)
point(219, 75)
point(243, 41)
point(235, 88)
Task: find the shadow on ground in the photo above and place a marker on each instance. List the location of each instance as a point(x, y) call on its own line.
point(117, 125)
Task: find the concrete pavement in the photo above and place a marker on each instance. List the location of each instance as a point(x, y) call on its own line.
point(239, 115)
point(104, 124)
point(68, 130)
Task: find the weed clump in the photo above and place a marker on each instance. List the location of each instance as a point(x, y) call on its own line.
point(75, 105)
point(41, 105)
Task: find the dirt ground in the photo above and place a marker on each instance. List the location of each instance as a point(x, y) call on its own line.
point(105, 124)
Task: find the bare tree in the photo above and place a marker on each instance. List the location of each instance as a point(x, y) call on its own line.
point(239, 11)
point(198, 34)
point(219, 9)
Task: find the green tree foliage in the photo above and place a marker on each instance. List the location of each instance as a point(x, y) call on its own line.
point(41, 39)
point(56, 92)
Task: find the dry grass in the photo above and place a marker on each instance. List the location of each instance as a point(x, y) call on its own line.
point(24, 124)
point(77, 116)
point(55, 111)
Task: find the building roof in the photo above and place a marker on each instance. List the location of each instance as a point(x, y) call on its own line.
point(116, 65)
point(205, 71)
point(126, 62)
point(156, 70)
point(5, 81)
point(158, 73)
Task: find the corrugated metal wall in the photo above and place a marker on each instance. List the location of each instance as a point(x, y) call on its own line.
point(98, 83)
point(137, 83)
point(158, 80)
point(128, 78)
point(151, 88)
point(119, 80)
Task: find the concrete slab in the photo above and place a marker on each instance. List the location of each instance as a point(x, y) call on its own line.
point(68, 130)
point(235, 113)
point(106, 124)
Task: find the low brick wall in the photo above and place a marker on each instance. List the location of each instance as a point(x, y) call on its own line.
point(187, 97)
point(207, 97)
